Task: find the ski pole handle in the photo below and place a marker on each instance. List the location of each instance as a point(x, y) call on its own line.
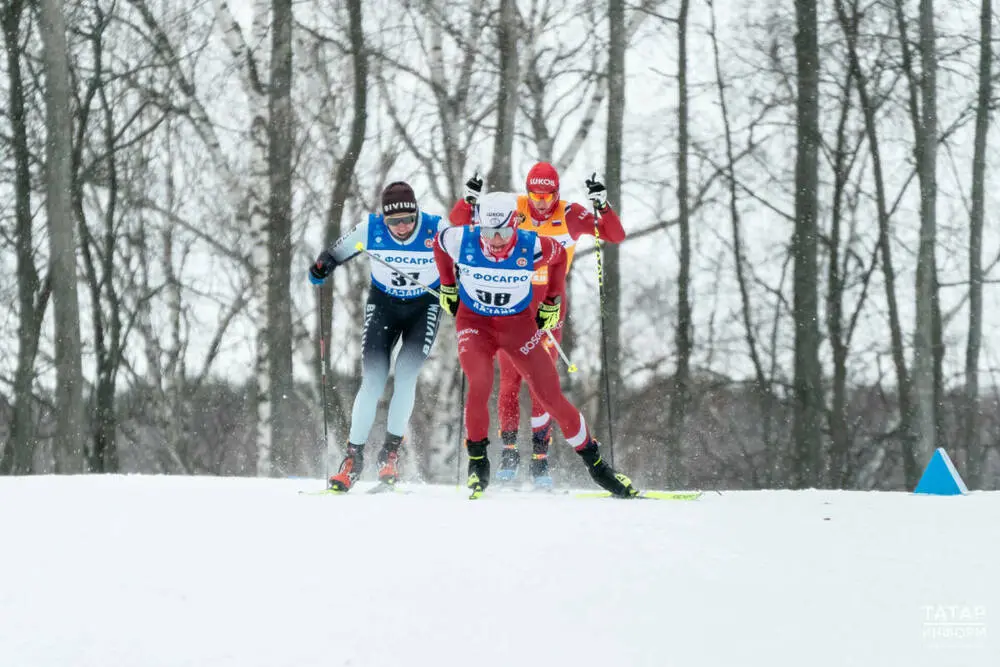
point(360, 247)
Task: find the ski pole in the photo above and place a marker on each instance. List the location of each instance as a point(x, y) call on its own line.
point(604, 338)
point(570, 366)
point(322, 375)
point(361, 248)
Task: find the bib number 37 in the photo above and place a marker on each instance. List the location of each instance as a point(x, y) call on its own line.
point(399, 280)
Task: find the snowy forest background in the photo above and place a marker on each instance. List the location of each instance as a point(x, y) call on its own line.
point(807, 296)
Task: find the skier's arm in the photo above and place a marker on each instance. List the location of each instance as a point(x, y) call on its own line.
point(445, 262)
point(346, 246)
point(551, 253)
point(445, 265)
point(461, 213)
point(580, 221)
point(338, 253)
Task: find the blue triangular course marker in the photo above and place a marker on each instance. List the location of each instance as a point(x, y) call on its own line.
point(940, 477)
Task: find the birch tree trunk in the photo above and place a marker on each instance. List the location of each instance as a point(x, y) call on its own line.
point(69, 437)
point(257, 196)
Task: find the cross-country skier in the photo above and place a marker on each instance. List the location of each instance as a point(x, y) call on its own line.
point(486, 282)
point(397, 308)
point(548, 215)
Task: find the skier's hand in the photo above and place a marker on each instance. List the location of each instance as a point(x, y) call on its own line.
point(449, 298)
point(547, 316)
point(474, 188)
point(324, 266)
point(597, 193)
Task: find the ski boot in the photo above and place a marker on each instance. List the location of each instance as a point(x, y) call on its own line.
point(479, 466)
point(539, 468)
point(614, 482)
point(350, 469)
point(388, 460)
point(510, 458)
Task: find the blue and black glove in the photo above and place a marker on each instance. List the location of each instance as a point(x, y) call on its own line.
point(547, 316)
point(449, 298)
point(324, 266)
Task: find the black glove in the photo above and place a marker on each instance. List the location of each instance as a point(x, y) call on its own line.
point(473, 188)
point(449, 298)
point(324, 266)
point(547, 316)
point(597, 193)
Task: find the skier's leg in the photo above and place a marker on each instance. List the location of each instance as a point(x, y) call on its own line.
point(377, 339)
point(509, 411)
point(477, 346)
point(541, 375)
point(541, 423)
point(376, 346)
point(418, 335)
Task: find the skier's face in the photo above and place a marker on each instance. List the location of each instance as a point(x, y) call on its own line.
point(498, 240)
point(401, 225)
point(544, 202)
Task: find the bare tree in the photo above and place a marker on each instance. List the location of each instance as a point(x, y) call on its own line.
point(808, 379)
point(975, 459)
point(610, 277)
point(923, 115)
point(249, 63)
point(343, 177)
point(18, 455)
point(69, 449)
point(281, 144)
point(868, 100)
point(500, 176)
point(680, 397)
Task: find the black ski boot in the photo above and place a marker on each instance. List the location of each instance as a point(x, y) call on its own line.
point(388, 459)
point(510, 458)
point(614, 482)
point(479, 466)
point(539, 468)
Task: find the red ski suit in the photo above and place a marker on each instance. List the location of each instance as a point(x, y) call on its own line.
point(567, 223)
point(480, 337)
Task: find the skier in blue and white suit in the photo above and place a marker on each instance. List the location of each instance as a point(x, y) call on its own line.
point(398, 307)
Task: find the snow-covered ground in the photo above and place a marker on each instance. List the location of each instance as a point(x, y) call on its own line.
point(149, 571)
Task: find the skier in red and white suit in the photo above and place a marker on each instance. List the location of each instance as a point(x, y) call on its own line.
point(486, 283)
point(545, 213)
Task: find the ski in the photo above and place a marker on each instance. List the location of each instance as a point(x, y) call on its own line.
point(384, 487)
point(381, 487)
point(647, 495)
